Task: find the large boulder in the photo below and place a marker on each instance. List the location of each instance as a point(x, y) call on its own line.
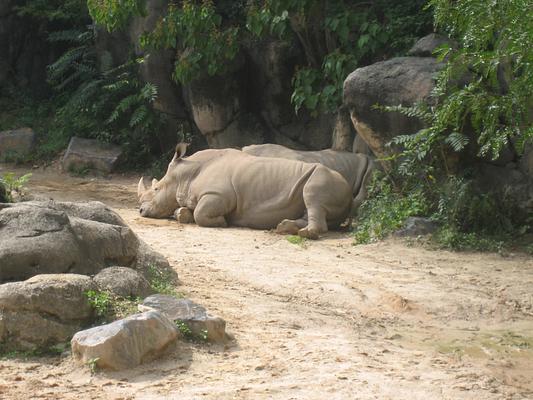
point(186, 311)
point(89, 154)
point(399, 81)
point(125, 343)
point(17, 142)
point(428, 44)
point(47, 237)
point(44, 310)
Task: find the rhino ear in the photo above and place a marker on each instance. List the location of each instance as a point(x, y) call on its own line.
point(154, 182)
point(181, 149)
point(141, 187)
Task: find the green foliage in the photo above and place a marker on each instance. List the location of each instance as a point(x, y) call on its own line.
point(386, 210)
point(13, 185)
point(71, 12)
point(93, 365)
point(337, 37)
point(110, 307)
point(493, 108)
point(162, 281)
point(297, 240)
point(115, 14)
point(50, 351)
point(196, 32)
point(188, 334)
point(102, 102)
point(100, 302)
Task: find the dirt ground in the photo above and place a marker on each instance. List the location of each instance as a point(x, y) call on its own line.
point(325, 319)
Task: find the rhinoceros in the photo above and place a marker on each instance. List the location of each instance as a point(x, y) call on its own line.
point(357, 169)
point(229, 187)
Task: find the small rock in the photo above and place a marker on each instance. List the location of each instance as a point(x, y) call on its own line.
point(427, 45)
point(416, 226)
point(192, 314)
point(123, 282)
point(84, 154)
point(17, 141)
point(125, 343)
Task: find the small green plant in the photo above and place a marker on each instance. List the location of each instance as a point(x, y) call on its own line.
point(13, 185)
point(93, 365)
point(162, 281)
point(297, 240)
point(188, 334)
point(386, 210)
point(100, 302)
point(109, 307)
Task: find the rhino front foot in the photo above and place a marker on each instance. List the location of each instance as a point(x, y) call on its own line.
point(308, 233)
point(184, 216)
point(290, 227)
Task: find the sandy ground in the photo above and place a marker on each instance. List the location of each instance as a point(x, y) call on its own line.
point(325, 319)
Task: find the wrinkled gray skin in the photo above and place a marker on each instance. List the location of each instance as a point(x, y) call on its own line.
point(357, 169)
point(229, 187)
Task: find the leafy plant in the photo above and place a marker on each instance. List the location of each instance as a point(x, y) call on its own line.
point(93, 365)
point(162, 281)
point(188, 334)
point(100, 302)
point(13, 185)
point(297, 240)
point(386, 210)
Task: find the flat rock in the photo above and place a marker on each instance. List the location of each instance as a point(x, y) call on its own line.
point(83, 154)
point(125, 343)
point(123, 282)
point(192, 314)
point(17, 141)
point(44, 310)
point(417, 226)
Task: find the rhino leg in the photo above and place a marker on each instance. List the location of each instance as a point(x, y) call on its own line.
point(210, 212)
point(316, 223)
point(290, 227)
point(184, 216)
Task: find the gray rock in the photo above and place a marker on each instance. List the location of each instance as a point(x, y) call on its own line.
point(245, 130)
point(425, 46)
point(90, 154)
point(125, 343)
point(16, 141)
point(42, 238)
point(399, 81)
point(192, 314)
point(417, 226)
point(44, 310)
point(123, 282)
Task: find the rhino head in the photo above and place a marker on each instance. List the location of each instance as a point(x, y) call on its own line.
point(159, 199)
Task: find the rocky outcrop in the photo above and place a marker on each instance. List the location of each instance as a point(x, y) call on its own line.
point(17, 142)
point(428, 44)
point(90, 154)
point(399, 81)
point(48, 237)
point(193, 315)
point(125, 343)
point(43, 310)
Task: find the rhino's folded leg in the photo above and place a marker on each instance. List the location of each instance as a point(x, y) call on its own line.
point(316, 223)
point(184, 216)
point(290, 227)
point(210, 212)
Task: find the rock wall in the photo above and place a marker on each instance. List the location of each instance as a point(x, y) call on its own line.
point(249, 104)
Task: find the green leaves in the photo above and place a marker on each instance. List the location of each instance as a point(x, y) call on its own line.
point(195, 31)
point(115, 14)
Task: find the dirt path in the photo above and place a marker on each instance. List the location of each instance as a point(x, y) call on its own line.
point(322, 320)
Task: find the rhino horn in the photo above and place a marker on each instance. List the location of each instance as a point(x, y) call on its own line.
point(141, 187)
point(154, 182)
